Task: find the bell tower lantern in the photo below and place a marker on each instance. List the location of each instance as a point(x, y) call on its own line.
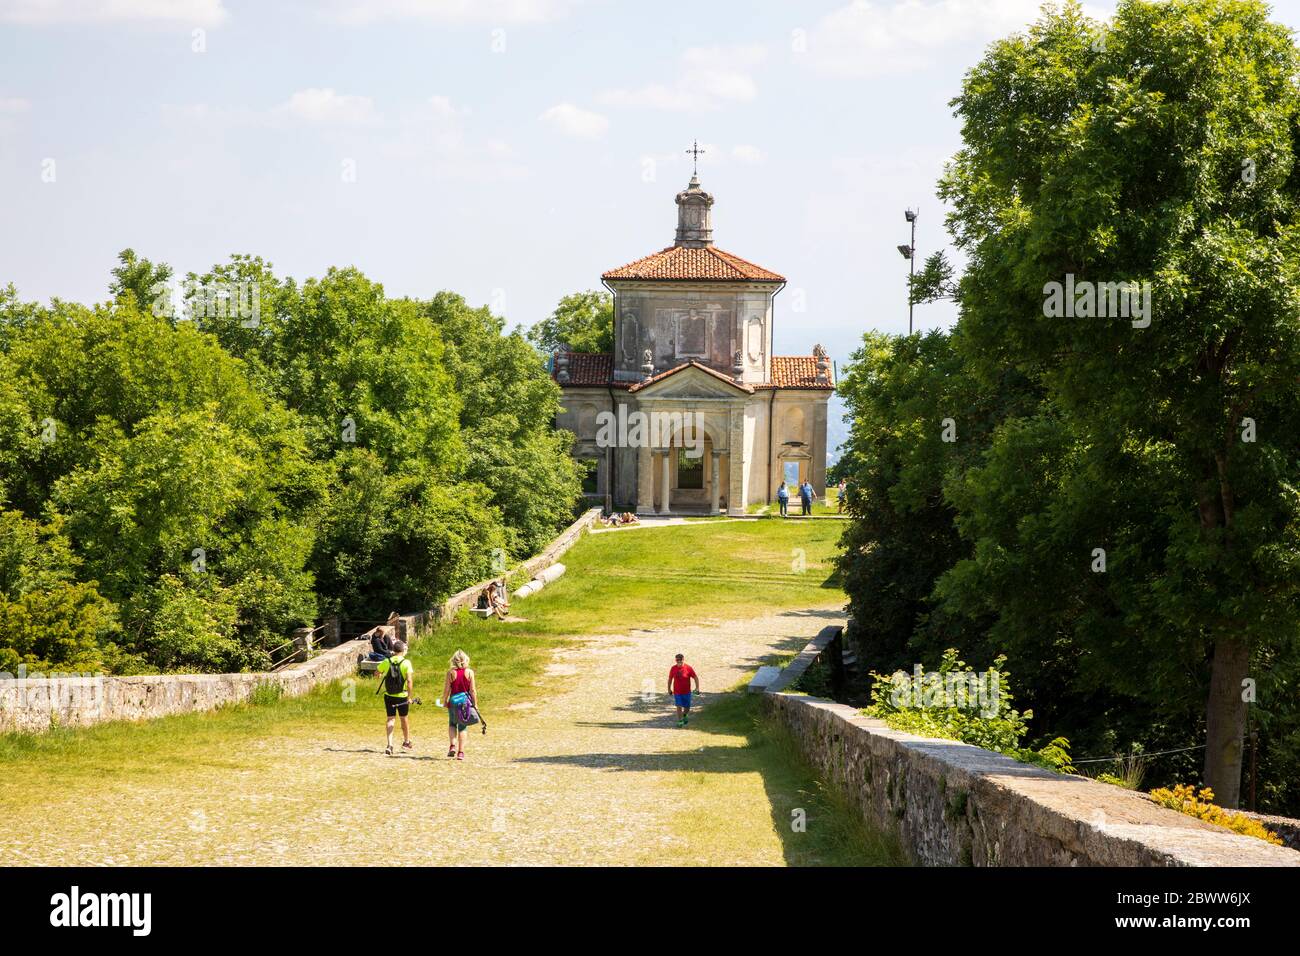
point(694, 216)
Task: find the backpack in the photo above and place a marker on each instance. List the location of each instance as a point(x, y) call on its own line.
point(394, 679)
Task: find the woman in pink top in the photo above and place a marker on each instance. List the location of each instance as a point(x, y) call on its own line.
point(460, 679)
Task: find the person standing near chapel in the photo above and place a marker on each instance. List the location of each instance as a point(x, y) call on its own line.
point(680, 676)
point(806, 497)
point(783, 496)
point(397, 677)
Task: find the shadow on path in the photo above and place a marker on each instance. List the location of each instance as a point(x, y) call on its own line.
point(814, 827)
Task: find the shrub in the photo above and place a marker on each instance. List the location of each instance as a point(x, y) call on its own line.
point(908, 702)
point(1184, 799)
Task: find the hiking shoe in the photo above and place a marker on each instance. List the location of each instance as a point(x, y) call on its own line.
point(451, 751)
point(407, 745)
point(388, 751)
point(460, 755)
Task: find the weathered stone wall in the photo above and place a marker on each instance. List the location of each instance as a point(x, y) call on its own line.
point(35, 703)
point(951, 804)
point(552, 553)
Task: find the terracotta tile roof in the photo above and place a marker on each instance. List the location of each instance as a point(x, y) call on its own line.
point(588, 369)
point(796, 371)
point(685, 365)
point(708, 263)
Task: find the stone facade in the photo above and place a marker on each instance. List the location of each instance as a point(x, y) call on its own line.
point(693, 337)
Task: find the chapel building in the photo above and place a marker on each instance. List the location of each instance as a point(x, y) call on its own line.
point(693, 350)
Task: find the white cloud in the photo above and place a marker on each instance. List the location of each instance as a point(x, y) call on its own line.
point(709, 78)
point(419, 140)
point(869, 38)
point(451, 11)
point(197, 13)
point(443, 106)
point(746, 153)
point(324, 106)
point(574, 121)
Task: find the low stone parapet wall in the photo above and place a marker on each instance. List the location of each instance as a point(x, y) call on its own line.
point(530, 568)
point(34, 702)
point(950, 803)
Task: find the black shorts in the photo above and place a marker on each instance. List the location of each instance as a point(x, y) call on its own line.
point(397, 705)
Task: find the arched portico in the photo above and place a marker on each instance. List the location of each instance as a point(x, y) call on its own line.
point(688, 469)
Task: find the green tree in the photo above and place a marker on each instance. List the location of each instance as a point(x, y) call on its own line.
point(508, 406)
point(1158, 149)
point(58, 628)
point(582, 322)
point(141, 279)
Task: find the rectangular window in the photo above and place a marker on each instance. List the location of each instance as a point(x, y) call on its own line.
point(690, 471)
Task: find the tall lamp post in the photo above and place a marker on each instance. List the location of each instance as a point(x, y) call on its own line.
point(909, 253)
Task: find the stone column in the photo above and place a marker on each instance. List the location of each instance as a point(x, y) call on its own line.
point(818, 476)
point(667, 473)
point(736, 463)
point(716, 474)
point(645, 481)
point(302, 641)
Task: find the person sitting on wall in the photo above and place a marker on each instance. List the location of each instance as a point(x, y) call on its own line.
point(494, 597)
point(383, 638)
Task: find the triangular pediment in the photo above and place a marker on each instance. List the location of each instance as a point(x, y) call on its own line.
point(692, 381)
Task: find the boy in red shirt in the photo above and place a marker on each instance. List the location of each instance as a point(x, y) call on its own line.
point(680, 676)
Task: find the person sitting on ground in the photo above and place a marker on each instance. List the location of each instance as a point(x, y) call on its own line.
point(382, 637)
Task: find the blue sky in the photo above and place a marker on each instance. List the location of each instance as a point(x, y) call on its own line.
point(510, 150)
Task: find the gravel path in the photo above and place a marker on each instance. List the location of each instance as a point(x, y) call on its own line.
point(595, 774)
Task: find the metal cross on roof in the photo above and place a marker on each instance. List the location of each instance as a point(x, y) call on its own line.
point(695, 152)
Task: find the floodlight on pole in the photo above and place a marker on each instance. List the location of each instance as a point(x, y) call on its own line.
point(909, 253)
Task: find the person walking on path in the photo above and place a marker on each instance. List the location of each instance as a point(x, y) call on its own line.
point(397, 678)
point(680, 676)
point(783, 496)
point(460, 681)
point(806, 497)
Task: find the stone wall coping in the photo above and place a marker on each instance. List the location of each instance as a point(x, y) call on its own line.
point(804, 659)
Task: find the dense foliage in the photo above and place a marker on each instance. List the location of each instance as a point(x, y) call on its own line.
point(582, 322)
point(1111, 504)
point(182, 483)
point(955, 703)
